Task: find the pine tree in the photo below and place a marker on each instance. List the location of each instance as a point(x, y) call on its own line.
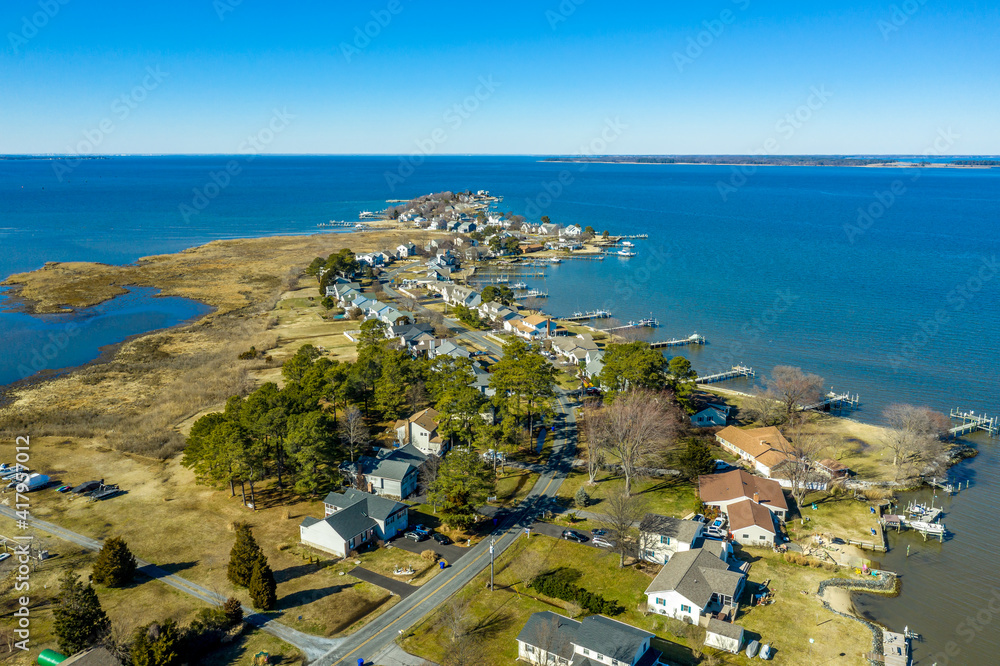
point(80, 622)
point(581, 498)
point(115, 565)
point(157, 645)
point(233, 610)
point(263, 589)
point(243, 555)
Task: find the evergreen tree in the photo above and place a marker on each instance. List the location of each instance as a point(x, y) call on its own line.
point(80, 622)
point(581, 498)
point(115, 565)
point(242, 557)
point(263, 588)
point(157, 645)
point(632, 365)
point(462, 485)
point(696, 459)
point(233, 610)
point(395, 378)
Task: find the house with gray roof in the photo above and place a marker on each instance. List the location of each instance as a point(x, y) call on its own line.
point(697, 584)
point(393, 474)
point(353, 520)
point(660, 537)
point(552, 639)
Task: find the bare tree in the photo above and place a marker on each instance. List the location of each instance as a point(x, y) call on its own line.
point(354, 432)
point(526, 567)
point(621, 513)
point(469, 649)
point(455, 616)
point(794, 387)
point(595, 443)
point(550, 642)
point(428, 473)
point(801, 449)
point(636, 426)
point(913, 435)
point(764, 407)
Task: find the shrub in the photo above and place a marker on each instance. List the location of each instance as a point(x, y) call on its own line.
point(559, 584)
point(581, 498)
point(233, 610)
point(115, 565)
point(429, 555)
point(263, 588)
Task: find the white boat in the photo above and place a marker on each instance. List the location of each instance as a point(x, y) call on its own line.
point(555, 260)
point(625, 253)
point(628, 244)
point(519, 285)
point(927, 528)
point(765, 651)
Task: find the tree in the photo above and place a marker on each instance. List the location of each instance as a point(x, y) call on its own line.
point(913, 435)
point(764, 407)
point(581, 499)
point(263, 589)
point(588, 230)
point(596, 442)
point(80, 622)
point(795, 388)
point(800, 447)
point(605, 234)
point(157, 645)
point(500, 293)
point(233, 610)
point(310, 443)
point(115, 565)
point(295, 367)
point(460, 408)
point(462, 485)
point(524, 382)
point(621, 512)
point(546, 220)
point(244, 554)
point(527, 566)
point(636, 426)
point(696, 459)
point(682, 380)
point(632, 365)
point(354, 432)
point(391, 389)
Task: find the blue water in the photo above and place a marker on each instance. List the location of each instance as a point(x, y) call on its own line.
point(904, 307)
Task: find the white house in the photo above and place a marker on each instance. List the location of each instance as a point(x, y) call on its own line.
point(660, 537)
point(406, 250)
point(455, 294)
point(711, 415)
point(550, 639)
point(723, 490)
point(420, 429)
point(571, 230)
point(726, 636)
point(765, 448)
point(353, 520)
point(696, 583)
point(751, 524)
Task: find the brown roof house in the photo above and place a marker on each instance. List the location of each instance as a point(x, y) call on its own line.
point(724, 490)
point(420, 430)
point(751, 524)
point(764, 448)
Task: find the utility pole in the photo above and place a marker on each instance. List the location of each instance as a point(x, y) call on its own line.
point(492, 542)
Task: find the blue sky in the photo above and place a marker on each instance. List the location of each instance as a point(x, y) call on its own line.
point(544, 77)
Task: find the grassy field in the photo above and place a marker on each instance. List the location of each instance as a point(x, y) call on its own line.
point(493, 620)
point(841, 516)
point(669, 496)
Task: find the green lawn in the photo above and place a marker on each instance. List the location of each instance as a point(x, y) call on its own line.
point(669, 496)
point(842, 516)
point(514, 486)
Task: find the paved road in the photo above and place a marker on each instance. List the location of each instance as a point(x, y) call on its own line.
point(397, 587)
point(311, 646)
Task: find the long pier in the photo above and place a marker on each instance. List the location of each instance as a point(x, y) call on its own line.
point(835, 401)
point(736, 371)
point(694, 339)
point(587, 316)
point(642, 323)
point(971, 422)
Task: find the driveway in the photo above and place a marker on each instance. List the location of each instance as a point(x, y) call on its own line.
point(450, 553)
point(397, 587)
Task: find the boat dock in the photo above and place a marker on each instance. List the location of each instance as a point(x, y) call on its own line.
point(835, 402)
point(336, 223)
point(587, 316)
point(694, 339)
point(532, 293)
point(736, 371)
point(895, 649)
point(971, 422)
point(642, 323)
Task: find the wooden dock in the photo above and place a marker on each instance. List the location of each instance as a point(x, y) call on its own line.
point(835, 402)
point(679, 342)
point(642, 323)
point(972, 422)
point(736, 371)
point(895, 649)
point(587, 316)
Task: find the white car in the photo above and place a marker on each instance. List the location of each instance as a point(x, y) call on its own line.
point(601, 542)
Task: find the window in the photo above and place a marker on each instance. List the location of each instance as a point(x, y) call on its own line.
point(529, 649)
point(746, 536)
point(685, 609)
point(665, 540)
point(661, 601)
point(763, 538)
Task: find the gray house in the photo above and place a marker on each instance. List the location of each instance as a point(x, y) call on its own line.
point(551, 639)
point(353, 520)
point(394, 474)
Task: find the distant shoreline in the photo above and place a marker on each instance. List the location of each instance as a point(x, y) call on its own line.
point(891, 165)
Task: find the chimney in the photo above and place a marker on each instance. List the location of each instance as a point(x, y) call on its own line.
point(756, 498)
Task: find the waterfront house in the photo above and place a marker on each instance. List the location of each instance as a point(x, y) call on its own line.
point(571, 230)
point(550, 639)
point(660, 537)
point(765, 448)
point(722, 490)
point(550, 229)
point(711, 415)
point(353, 520)
point(832, 468)
point(455, 294)
point(421, 430)
point(726, 636)
point(393, 474)
point(528, 248)
point(696, 584)
point(751, 524)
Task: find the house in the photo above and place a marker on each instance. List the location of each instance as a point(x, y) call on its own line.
point(833, 469)
point(420, 429)
point(696, 584)
point(455, 294)
point(571, 230)
point(354, 519)
point(406, 250)
point(394, 474)
point(410, 335)
point(595, 364)
point(660, 537)
point(550, 229)
point(765, 448)
point(466, 227)
point(751, 524)
point(711, 415)
point(722, 490)
point(726, 636)
point(528, 248)
point(552, 639)
point(447, 348)
point(541, 324)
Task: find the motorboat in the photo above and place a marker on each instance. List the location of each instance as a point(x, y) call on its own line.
point(765, 651)
point(752, 649)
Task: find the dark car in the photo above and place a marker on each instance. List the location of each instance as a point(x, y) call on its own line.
point(573, 535)
point(415, 536)
point(599, 532)
point(441, 539)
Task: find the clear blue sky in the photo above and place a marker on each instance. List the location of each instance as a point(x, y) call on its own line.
point(559, 75)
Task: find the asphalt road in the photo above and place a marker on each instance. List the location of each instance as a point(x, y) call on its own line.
point(311, 646)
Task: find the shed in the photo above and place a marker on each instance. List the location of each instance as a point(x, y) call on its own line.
point(726, 636)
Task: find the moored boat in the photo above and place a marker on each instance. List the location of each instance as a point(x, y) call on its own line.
point(752, 649)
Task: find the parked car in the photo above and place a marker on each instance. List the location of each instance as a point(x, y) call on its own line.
point(698, 518)
point(714, 533)
point(415, 536)
point(722, 466)
point(603, 543)
point(719, 523)
point(420, 529)
point(441, 539)
point(573, 535)
point(597, 532)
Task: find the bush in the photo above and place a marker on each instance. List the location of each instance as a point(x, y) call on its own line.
point(581, 498)
point(429, 555)
point(115, 565)
point(559, 584)
point(233, 610)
